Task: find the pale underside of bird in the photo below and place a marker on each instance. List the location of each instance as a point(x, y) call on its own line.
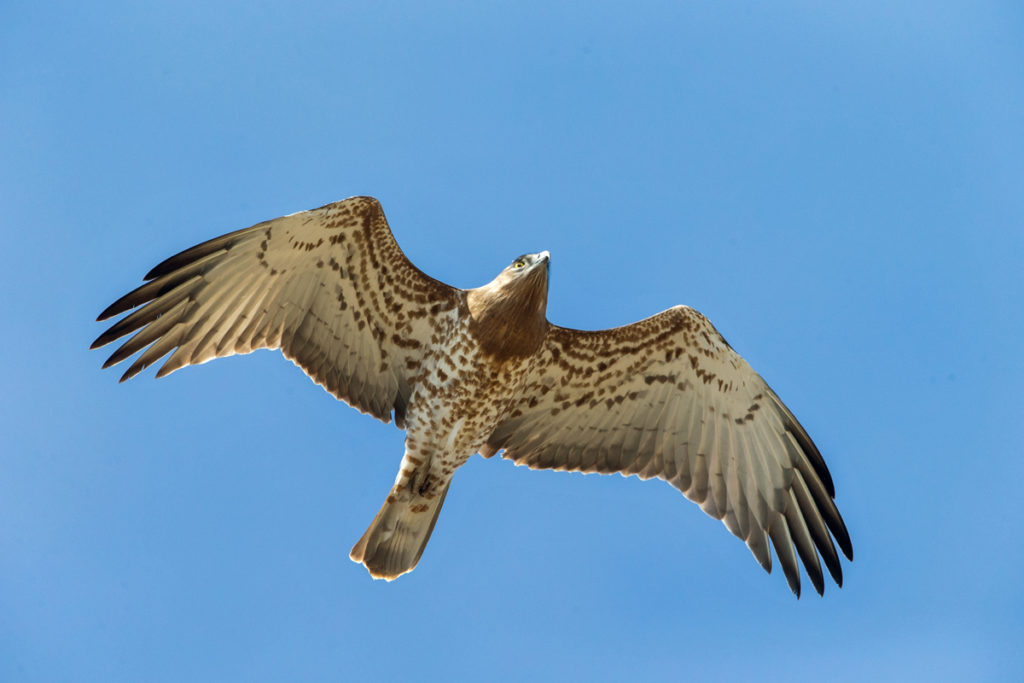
point(483, 371)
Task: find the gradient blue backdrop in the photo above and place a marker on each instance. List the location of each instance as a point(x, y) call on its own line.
point(838, 186)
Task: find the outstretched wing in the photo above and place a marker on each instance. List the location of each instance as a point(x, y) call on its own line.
point(667, 397)
point(329, 287)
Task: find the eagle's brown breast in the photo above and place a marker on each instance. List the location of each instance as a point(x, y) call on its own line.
point(507, 317)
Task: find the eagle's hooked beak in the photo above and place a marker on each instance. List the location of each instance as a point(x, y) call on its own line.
point(544, 258)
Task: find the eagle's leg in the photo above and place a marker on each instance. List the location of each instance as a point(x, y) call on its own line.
point(394, 541)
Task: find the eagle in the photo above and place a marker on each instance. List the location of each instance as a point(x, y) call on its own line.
point(482, 370)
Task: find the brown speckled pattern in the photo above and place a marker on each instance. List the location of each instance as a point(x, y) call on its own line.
point(483, 370)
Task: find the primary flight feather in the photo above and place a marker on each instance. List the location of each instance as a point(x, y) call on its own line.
point(482, 370)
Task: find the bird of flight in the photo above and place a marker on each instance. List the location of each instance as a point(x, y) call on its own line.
point(483, 371)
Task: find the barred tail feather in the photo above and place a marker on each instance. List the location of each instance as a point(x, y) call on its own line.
point(395, 540)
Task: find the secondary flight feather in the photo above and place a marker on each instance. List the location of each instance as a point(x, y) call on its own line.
point(483, 371)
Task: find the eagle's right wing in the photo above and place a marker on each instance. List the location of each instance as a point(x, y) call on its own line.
point(329, 287)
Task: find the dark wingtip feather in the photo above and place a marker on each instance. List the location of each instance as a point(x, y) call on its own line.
point(817, 578)
point(842, 537)
point(783, 542)
point(806, 551)
point(184, 258)
point(115, 332)
point(114, 308)
point(141, 363)
point(124, 351)
point(813, 455)
point(835, 569)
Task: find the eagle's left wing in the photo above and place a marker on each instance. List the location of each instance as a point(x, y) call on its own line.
point(667, 397)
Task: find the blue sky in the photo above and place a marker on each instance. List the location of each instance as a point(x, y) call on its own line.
point(838, 186)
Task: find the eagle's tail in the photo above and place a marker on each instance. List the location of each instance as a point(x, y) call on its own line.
point(393, 543)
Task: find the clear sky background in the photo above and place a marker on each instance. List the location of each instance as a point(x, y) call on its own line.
point(838, 186)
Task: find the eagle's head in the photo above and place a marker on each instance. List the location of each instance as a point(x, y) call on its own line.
point(525, 279)
point(509, 312)
point(526, 264)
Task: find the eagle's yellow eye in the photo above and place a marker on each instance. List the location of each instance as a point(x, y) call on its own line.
point(519, 264)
